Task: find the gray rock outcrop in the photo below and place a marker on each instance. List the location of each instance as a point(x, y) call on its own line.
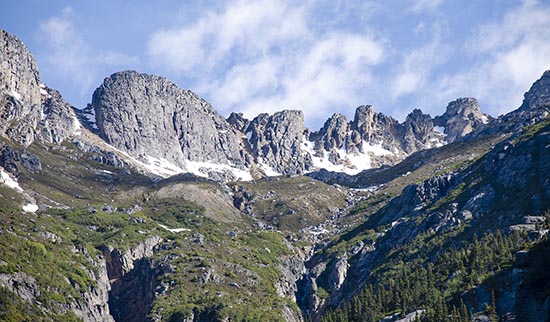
point(419, 133)
point(28, 109)
point(538, 95)
point(276, 140)
point(381, 137)
point(333, 133)
point(462, 117)
point(59, 120)
point(373, 127)
point(146, 115)
point(133, 279)
point(19, 90)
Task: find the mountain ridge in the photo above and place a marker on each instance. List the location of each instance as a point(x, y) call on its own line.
point(171, 130)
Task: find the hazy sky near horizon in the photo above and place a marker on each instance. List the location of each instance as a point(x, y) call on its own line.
point(322, 57)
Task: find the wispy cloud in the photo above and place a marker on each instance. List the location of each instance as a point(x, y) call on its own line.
point(419, 6)
point(509, 54)
point(66, 49)
point(417, 67)
point(71, 57)
point(242, 28)
point(282, 62)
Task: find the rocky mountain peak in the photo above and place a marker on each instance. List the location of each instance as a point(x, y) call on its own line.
point(162, 125)
point(59, 119)
point(539, 93)
point(419, 132)
point(276, 140)
point(364, 121)
point(19, 89)
point(462, 116)
point(333, 133)
point(238, 121)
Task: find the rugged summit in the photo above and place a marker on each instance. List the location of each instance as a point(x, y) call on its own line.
point(156, 122)
point(461, 117)
point(20, 90)
point(28, 109)
point(174, 130)
point(538, 95)
point(275, 140)
point(371, 139)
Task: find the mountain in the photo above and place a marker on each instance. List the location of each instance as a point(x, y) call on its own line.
point(175, 131)
point(148, 205)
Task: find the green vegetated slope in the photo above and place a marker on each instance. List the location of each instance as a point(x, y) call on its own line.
point(210, 262)
point(410, 245)
point(289, 203)
point(476, 243)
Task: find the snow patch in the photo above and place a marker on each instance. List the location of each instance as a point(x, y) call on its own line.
point(358, 161)
point(174, 230)
point(248, 135)
point(377, 149)
point(268, 170)
point(436, 143)
point(484, 119)
point(318, 231)
point(440, 129)
point(6, 179)
point(161, 166)
point(201, 169)
point(369, 188)
point(30, 207)
point(165, 168)
point(76, 127)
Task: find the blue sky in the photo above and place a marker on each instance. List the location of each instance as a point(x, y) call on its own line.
point(321, 57)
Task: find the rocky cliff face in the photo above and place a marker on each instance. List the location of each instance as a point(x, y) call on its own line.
point(370, 140)
point(461, 117)
point(538, 95)
point(484, 197)
point(59, 120)
point(275, 142)
point(149, 117)
point(133, 280)
point(28, 109)
point(19, 86)
point(162, 125)
point(534, 109)
point(172, 130)
point(91, 306)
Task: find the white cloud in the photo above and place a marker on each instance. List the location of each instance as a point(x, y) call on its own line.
point(246, 28)
point(416, 69)
point(264, 57)
point(245, 80)
point(420, 6)
point(69, 55)
point(407, 82)
point(323, 78)
point(509, 54)
point(66, 49)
